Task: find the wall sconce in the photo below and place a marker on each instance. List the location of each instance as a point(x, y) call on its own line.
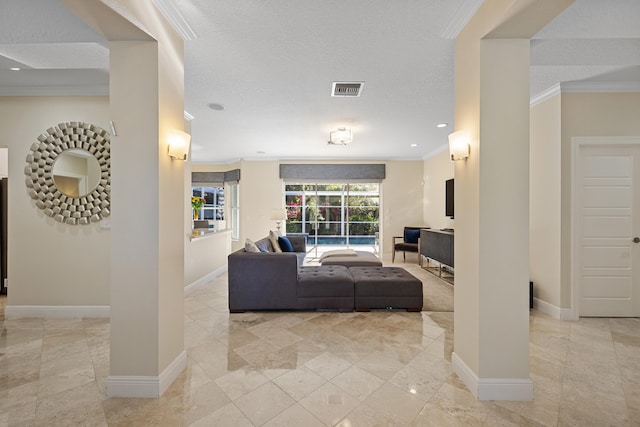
point(278, 215)
point(459, 145)
point(179, 144)
point(342, 136)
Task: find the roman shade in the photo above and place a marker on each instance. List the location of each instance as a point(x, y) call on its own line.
point(214, 179)
point(333, 172)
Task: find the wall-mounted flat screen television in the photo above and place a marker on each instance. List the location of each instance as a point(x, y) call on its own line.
point(449, 198)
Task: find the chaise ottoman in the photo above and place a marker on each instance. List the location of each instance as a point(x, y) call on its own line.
point(324, 287)
point(386, 287)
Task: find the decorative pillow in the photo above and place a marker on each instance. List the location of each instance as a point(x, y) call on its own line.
point(285, 244)
point(411, 235)
point(338, 252)
point(264, 245)
point(249, 246)
point(273, 237)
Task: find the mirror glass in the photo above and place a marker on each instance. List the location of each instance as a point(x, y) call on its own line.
point(76, 172)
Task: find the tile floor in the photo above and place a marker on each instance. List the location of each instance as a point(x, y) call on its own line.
point(318, 369)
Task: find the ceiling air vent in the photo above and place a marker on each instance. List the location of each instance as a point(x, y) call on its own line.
point(349, 89)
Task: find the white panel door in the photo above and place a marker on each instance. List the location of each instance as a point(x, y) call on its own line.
point(607, 210)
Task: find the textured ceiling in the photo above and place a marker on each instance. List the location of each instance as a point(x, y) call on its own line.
point(271, 65)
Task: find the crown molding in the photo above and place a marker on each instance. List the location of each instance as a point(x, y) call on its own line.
point(594, 86)
point(465, 12)
point(57, 90)
point(175, 18)
point(545, 94)
point(584, 87)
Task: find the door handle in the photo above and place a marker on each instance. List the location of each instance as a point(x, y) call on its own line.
point(636, 240)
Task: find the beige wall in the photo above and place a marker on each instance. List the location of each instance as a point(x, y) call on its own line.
point(204, 256)
point(589, 114)
point(50, 264)
point(437, 169)
point(262, 190)
point(401, 194)
point(545, 196)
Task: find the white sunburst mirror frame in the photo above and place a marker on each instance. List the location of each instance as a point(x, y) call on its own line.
point(89, 208)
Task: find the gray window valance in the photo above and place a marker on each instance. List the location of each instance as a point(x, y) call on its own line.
point(213, 179)
point(333, 172)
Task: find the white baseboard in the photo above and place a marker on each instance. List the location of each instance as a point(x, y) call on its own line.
point(492, 388)
point(552, 310)
point(205, 279)
point(56, 311)
point(145, 386)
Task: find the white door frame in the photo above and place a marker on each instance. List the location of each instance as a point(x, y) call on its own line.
point(576, 143)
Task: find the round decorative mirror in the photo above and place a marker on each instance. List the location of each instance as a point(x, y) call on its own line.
point(68, 173)
point(76, 172)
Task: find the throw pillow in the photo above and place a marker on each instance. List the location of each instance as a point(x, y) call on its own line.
point(249, 246)
point(285, 244)
point(273, 238)
point(411, 235)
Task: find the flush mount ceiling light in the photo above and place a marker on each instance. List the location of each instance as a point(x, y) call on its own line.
point(341, 136)
point(441, 125)
point(346, 89)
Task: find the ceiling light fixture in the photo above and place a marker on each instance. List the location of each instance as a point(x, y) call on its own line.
point(15, 68)
point(441, 125)
point(216, 107)
point(341, 136)
point(413, 145)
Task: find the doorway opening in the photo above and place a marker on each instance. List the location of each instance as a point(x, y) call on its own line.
point(334, 216)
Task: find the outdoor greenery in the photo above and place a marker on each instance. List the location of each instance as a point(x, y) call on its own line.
point(333, 209)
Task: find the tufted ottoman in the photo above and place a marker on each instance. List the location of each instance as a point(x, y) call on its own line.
point(386, 287)
point(325, 287)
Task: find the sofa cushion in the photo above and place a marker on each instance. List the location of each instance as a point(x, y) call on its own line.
point(285, 244)
point(264, 245)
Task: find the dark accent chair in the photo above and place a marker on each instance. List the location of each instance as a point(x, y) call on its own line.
point(410, 243)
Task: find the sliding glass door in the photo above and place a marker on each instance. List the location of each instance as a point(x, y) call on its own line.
point(334, 215)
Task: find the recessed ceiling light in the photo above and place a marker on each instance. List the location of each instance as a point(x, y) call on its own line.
point(441, 125)
point(15, 68)
point(413, 145)
point(216, 107)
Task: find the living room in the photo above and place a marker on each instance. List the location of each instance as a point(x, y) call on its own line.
point(140, 259)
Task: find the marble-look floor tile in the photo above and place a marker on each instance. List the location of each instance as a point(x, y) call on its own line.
point(383, 368)
point(327, 365)
point(395, 403)
point(380, 365)
point(75, 406)
point(228, 415)
point(296, 415)
point(299, 382)
point(329, 403)
point(238, 383)
point(357, 382)
point(264, 403)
